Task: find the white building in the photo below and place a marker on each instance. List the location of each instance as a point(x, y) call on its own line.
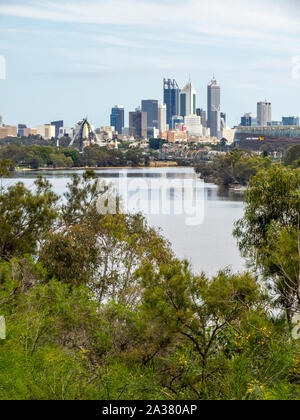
point(66, 132)
point(193, 125)
point(47, 131)
point(188, 100)
point(228, 134)
point(162, 118)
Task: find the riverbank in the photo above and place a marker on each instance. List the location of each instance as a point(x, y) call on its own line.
point(152, 165)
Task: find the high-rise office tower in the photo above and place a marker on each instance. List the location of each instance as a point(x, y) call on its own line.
point(290, 120)
point(214, 108)
point(264, 113)
point(171, 99)
point(201, 113)
point(57, 125)
point(138, 124)
point(117, 118)
point(150, 107)
point(162, 117)
point(1, 121)
point(188, 100)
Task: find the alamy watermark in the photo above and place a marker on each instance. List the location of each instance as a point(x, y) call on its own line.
point(2, 328)
point(2, 67)
point(296, 329)
point(155, 196)
point(296, 67)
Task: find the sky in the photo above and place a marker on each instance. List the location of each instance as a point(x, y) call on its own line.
point(71, 59)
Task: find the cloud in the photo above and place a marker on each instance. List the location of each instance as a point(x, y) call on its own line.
point(241, 19)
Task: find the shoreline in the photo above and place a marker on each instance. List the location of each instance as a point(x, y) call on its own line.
point(94, 168)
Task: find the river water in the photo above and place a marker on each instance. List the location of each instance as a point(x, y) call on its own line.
point(196, 218)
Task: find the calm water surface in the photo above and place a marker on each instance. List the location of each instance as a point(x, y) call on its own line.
point(209, 246)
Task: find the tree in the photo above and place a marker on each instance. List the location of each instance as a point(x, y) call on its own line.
point(192, 312)
point(292, 156)
point(25, 217)
point(269, 230)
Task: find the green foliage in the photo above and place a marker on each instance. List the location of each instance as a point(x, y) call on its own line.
point(269, 233)
point(97, 307)
point(25, 217)
point(235, 167)
point(292, 156)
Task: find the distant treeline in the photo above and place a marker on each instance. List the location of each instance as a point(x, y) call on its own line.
point(238, 166)
point(35, 157)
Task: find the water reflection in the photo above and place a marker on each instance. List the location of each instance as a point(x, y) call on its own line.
point(209, 246)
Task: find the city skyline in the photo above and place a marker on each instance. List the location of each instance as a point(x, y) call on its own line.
point(84, 60)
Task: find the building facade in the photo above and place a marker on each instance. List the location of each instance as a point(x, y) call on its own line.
point(290, 121)
point(264, 113)
point(117, 118)
point(214, 108)
point(246, 120)
point(21, 129)
point(162, 117)
point(138, 124)
point(46, 131)
point(8, 131)
point(150, 107)
point(57, 125)
point(171, 93)
point(188, 100)
point(202, 114)
point(193, 125)
point(262, 138)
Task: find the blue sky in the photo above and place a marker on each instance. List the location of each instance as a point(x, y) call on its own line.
point(69, 59)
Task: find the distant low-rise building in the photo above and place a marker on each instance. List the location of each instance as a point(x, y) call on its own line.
point(174, 136)
point(46, 131)
point(66, 132)
point(30, 132)
point(290, 121)
point(228, 134)
point(8, 131)
point(260, 138)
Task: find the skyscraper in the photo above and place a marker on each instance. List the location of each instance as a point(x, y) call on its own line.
point(214, 108)
point(117, 118)
point(150, 107)
point(264, 113)
point(138, 124)
point(162, 117)
point(188, 100)
point(57, 125)
point(171, 99)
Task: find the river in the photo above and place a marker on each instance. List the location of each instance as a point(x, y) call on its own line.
point(206, 240)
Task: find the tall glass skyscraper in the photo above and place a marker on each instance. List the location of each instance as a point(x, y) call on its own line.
point(171, 99)
point(150, 106)
point(117, 118)
point(214, 108)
